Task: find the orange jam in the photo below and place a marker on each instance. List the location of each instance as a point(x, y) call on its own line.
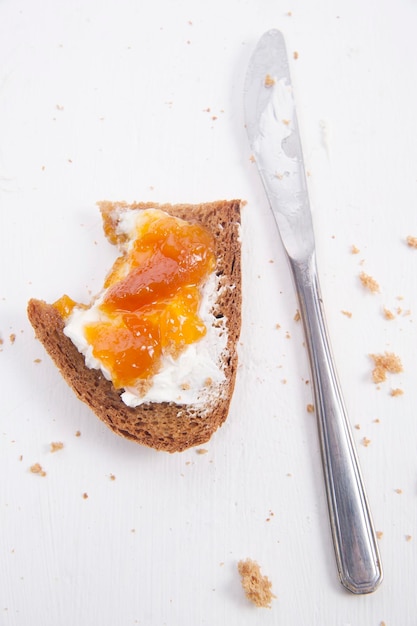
point(151, 303)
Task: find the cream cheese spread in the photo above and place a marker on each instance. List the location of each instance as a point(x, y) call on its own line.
point(196, 373)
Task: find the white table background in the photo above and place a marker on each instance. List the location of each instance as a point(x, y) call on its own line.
point(126, 100)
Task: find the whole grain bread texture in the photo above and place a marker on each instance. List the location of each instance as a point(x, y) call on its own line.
point(164, 426)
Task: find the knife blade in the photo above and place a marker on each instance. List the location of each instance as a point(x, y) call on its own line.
point(274, 137)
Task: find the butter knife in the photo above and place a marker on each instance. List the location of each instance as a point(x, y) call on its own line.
point(272, 127)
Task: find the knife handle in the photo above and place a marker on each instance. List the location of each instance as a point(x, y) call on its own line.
point(353, 534)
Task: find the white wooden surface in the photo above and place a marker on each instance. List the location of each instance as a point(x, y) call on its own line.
point(132, 100)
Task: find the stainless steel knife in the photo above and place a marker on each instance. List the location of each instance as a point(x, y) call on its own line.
point(272, 128)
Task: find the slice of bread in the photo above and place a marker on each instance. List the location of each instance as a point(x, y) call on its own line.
point(164, 426)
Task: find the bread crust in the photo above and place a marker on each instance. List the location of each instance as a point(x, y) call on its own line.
point(164, 426)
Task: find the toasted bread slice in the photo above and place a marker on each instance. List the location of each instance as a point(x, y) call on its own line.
point(166, 425)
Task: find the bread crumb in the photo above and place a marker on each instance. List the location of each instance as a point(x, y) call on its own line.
point(56, 445)
point(257, 588)
point(347, 313)
point(389, 315)
point(387, 362)
point(78, 433)
point(37, 360)
point(36, 468)
point(354, 250)
point(399, 491)
point(357, 426)
point(12, 337)
point(295, 55)
point(112, 477)
point(379, 534)
point(85, 495)
point(269, 81)
point(297, 316)
point(408, 537)
point(310, 408)
point(412, 241)
point(201, 451)
point(368, 282)
point(396, 392)
point(365, 442)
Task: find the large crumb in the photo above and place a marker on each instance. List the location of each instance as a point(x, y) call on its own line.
point(36, 468)
point(257, 588)
point(412, 241)
point(56, 445)
point(369, 282)
point(385, 363)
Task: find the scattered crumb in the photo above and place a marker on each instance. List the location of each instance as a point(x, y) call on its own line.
point(287, 335)
point(387, 362)
point(368, 282)
point(347, 313)
point(310, 408)
point(37, 360)
point(297, 316)
point(12, 337)
point(365, 442)
point(112, 477)
point(36, 468)
point(257, 588)
point(277, 326)
point(408, 537)
point(59, 107)
point(357, 426)
point(201, 451)
point(412, 241)
point(56, 445)
point(389, 315)
point(354, 250)
point(377, 421)
point(269, 81)
point(85, 495)
point(379, 534)
point(399, 491)
point(78, 433)
point(295, 54)
point(396, 392)
point(382, 624)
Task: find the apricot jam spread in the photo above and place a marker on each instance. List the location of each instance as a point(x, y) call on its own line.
point(150, 304)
